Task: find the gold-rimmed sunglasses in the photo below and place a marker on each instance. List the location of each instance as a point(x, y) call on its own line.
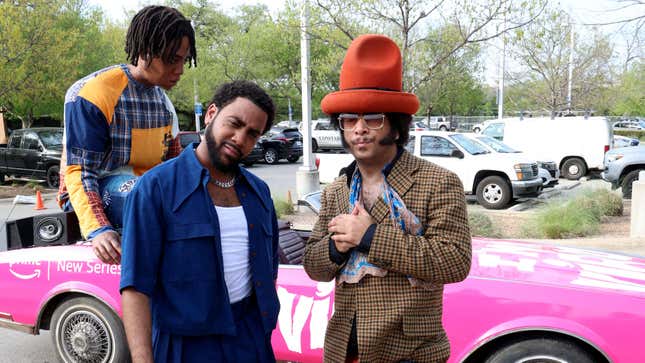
point(373, 121)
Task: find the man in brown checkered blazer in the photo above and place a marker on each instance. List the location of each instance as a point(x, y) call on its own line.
point(393, 229)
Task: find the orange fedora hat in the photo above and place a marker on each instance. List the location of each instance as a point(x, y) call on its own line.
point(371, 80)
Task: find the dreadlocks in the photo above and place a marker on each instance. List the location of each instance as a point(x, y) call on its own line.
point(157, 31)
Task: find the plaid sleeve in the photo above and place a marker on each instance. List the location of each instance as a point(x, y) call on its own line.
point(317, 261)
point(87, 136)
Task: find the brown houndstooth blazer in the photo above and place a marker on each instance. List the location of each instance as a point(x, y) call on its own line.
point(394, 320)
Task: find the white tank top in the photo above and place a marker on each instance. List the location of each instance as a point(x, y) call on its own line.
point(235, 251)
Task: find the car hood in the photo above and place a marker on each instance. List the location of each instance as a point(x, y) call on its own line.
point(545, 264)
point(640, 149)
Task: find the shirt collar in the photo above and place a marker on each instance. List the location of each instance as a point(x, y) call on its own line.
point(196, 174)
point(349, 171)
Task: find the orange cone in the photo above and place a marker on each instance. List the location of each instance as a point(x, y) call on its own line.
point(39, 201)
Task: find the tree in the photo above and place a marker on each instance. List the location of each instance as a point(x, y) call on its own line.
point(413, 23)
point(454, 88)
point(542, 49)
point(631, 99)
point(45, 45)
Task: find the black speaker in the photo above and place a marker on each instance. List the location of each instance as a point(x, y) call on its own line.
point(56, 229)
point(20, 233)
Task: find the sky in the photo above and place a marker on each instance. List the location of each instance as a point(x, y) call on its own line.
point(583, 12)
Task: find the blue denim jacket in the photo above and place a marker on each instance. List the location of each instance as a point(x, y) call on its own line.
point(172, 249)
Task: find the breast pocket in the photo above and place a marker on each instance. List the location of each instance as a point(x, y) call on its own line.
point(190, 252)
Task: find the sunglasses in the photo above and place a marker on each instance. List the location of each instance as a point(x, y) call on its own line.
point(373, 121)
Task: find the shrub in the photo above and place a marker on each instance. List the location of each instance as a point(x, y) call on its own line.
point(566, 221)
point(578, 217)
point(282, 207)
point(482, 226)
point(35, 186)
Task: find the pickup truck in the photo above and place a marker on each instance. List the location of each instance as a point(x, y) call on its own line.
point(33, 154)
point(494, 178)
point(622, 166)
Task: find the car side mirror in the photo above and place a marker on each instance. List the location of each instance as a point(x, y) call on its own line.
point(457, 154)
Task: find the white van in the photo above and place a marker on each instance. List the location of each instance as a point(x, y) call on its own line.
point(323, 136)
point(578, 144)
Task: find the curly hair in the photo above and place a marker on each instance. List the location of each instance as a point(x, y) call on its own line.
point(228, 92)
point(157, 31)
point(399, 125)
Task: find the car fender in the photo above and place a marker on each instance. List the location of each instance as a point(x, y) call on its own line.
point(75, 288)
point(536, 323)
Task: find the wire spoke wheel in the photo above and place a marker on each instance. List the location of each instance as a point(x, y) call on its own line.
point(85, 330)
point(85, 338)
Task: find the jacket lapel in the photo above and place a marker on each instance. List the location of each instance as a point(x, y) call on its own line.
point(400, 178)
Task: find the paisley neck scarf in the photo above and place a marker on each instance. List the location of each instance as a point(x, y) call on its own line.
point(357, 265)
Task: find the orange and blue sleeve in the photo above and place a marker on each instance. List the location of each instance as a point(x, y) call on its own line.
point(87, 128)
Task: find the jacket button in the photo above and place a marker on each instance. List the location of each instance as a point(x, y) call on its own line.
point(252, 253)
point(251, 225)
point(265, 314)
point(258, 283)
point(243, 195)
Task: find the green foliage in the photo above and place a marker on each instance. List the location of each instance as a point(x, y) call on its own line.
point(482, 226)
point(631, 101)
point(45, 45)
point(543, 52)
point(637, 134)
point(282, 207)
point(578, 217)
point(34, 185)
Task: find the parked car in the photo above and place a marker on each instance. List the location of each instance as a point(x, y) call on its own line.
point(495, 179)
point(183, 139)
point(622, 167)
point(578, 144)
point(418, 126)
point(288, 124)
point(522, 302)
point(624, 141)
point(256, 155)
point(281, 143)
point(440, 123)
point(547, 170)
point(324, 137)
point(630, 125)
point(33, 153)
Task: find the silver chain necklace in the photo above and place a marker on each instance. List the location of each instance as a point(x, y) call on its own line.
point(224, 184)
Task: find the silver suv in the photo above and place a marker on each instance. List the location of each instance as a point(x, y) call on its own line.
point(622, 166)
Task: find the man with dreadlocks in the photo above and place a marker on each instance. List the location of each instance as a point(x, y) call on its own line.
point(118, 122)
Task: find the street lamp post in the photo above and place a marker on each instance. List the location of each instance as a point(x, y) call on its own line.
point(307, 180)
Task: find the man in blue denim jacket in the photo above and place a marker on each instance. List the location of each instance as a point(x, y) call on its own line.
point(200, 245)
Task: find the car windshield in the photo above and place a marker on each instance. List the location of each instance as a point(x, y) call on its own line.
point(189, 138)
point(51, 138)
point(496, 145)
point(469, 144)
point(291, 133)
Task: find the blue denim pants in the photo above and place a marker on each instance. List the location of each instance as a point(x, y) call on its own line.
point(114, 190)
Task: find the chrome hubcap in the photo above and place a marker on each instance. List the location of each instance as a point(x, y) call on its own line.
point(85, 338)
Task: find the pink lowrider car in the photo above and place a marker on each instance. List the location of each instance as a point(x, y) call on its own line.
point(522, 302)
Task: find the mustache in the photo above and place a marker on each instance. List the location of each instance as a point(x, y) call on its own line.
point(362, 140)
point(233, 146)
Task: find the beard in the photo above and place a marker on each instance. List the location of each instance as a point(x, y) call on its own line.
point(214, 152)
